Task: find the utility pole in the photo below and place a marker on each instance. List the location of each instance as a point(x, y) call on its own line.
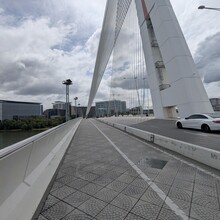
point(204, 7)
point(76, 105)
point(67, 82)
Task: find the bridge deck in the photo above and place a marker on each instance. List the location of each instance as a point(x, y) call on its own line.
point(124, 178)
point(167, 128)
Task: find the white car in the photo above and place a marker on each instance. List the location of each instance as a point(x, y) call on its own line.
point(205, 122)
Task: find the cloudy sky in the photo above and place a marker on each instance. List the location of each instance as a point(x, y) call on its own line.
point(43, 42)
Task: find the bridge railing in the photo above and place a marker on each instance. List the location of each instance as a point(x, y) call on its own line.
point(27, 167)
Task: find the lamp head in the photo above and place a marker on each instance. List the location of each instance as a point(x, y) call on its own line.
point(67, 82)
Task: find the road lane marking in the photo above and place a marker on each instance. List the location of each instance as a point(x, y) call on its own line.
point(204, 135)
point(153, 126)
point(154, 187)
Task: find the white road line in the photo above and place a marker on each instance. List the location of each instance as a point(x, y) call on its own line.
point(204, 135)
point(153, 126)
point(159, 192)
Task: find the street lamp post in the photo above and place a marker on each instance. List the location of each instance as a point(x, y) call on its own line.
point(79, 110)
point(76, 105)
point(204, 7)
point(67, 82)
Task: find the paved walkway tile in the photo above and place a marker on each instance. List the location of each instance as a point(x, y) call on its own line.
point(127, 179)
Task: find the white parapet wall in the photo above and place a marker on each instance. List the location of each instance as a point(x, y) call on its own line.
point(26, 169)
point(201, 154)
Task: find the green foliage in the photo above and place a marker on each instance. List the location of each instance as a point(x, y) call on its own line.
point(30, 123)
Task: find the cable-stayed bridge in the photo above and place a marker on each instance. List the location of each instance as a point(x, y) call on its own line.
point(143, 47)
point(123, 167)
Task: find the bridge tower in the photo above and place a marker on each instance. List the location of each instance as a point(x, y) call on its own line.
point(173, 78)
point(172, 75)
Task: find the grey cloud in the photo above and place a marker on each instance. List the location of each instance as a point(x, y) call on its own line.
point(45, 88)
point(207, 58)
point(130, 83)
point(44, 42)
point(73, 13)
point(102, 96)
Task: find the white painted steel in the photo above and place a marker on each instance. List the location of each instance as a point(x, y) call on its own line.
point(106, 45)
point(172, 75)
point(26, 169)
point(203, 155)
point(185, 88)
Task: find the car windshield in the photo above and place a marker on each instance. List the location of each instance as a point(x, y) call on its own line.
point(214, 115)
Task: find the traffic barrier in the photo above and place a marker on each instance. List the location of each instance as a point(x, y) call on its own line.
point(201, 154)
point(27, 167)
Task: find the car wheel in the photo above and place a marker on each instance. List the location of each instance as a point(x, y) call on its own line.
point(206, 128)
point(179, 125)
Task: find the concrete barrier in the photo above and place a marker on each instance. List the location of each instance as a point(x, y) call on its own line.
point(201, 154)
point(26, 169)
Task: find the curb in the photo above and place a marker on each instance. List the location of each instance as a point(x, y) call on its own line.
point(201, 154)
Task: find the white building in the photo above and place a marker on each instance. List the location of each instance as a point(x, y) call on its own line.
point(59, 105)
point(110, 107)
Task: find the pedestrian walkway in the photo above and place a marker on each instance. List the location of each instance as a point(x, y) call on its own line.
point(108, 175)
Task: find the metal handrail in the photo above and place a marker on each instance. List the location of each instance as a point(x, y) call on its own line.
point(21, 144)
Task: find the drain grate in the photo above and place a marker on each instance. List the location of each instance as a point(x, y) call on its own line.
point(153, 163)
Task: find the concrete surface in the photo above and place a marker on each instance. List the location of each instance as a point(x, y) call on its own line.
point(110, 175)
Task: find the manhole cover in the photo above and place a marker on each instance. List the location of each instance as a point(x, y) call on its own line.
point(153, 163)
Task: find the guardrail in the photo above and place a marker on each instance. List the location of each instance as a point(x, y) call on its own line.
point(201, 154)
point(27, 167)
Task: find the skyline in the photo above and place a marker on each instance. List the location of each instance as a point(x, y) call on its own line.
point(46, 42)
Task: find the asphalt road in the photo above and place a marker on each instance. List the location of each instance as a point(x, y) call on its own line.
point(167, 128)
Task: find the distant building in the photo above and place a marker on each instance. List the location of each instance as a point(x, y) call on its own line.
point(16, 110)
point(59, 108)
point(113, 107)
point(73, 110)
point(215, 102)
point(92, 112)
point(59, 105)
point(54, 113)
point(81, 111)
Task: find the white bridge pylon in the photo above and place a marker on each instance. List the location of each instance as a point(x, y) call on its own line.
point(172, 75)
